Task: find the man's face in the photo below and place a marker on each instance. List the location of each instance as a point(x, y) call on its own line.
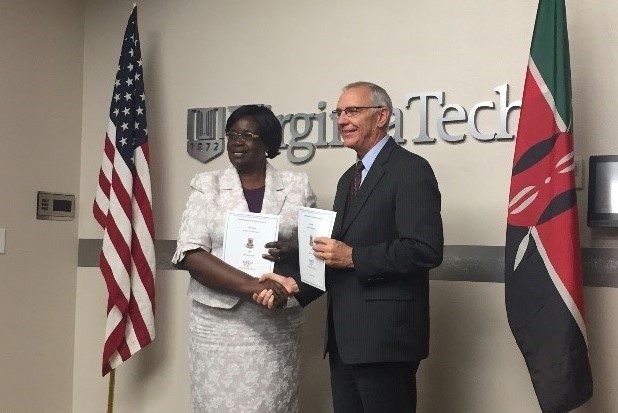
point(362, 131)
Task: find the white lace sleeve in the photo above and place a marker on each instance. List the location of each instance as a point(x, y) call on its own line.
point(193, 233)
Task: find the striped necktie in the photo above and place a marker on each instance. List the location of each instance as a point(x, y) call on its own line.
point(358, 175)
point(355, 182)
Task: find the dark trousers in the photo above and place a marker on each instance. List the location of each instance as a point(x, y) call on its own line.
point(373, 387)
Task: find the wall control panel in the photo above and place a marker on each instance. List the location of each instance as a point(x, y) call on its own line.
point(56, 207)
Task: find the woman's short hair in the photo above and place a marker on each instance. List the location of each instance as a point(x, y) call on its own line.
point(270, 130)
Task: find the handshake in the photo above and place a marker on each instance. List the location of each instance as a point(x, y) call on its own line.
point(274, 290)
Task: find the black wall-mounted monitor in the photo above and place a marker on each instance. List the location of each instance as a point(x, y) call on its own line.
point(603, 191)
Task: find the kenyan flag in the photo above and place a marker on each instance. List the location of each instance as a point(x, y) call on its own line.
point(543, 274)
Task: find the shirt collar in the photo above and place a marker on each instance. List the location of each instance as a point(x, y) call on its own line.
point(371, 156)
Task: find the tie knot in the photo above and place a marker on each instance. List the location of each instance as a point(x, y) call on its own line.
point(359, 165)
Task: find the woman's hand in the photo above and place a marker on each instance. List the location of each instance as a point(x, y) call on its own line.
point(281, 251)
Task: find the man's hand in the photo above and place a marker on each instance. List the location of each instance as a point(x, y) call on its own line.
point(281, 251)
point(267, 297)
point(277, 294)
point(335, 253)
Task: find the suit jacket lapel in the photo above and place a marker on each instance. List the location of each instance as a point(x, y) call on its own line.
point(369, 183)
point(274, 194)
point(340, 200)
point(230, 191)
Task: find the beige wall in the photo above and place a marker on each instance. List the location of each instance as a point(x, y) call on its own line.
point(292, 55)
point(41, 43)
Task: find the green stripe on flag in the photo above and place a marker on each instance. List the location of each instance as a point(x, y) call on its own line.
point(550, 53)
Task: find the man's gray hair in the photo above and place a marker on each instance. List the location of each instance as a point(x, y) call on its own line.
point(378, 94)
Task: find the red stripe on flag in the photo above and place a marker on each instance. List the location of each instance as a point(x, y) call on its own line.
point(98, 214)
point(106, 368)
point(124, 200)
point(143, 269)
point(123, 349)
point(144, 204)
point(146, 149)
point(120, 245)
point(104, 184)
point(139, 326)
point(115, 295)
point(114, 339)
point(109, 149)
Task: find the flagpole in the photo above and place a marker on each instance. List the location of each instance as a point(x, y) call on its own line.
point(110, 393)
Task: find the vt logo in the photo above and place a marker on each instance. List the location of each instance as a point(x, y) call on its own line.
point(205, 130)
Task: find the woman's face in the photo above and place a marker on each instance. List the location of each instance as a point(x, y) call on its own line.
point(245, 153)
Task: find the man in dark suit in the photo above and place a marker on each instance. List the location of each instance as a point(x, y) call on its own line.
point(386, 237)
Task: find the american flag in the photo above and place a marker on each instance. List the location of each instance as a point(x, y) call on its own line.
point(123, 207)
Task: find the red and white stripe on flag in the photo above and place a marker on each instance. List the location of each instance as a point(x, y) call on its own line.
point(123, 207)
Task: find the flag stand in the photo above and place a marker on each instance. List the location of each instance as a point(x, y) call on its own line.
point(110, 393)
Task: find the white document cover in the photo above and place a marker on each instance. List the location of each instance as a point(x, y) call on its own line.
point(244, 238)
point(313, 222)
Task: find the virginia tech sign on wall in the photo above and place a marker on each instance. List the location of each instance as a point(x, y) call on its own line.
point(206, 126)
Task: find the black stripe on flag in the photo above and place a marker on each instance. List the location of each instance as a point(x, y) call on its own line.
point(544, 328)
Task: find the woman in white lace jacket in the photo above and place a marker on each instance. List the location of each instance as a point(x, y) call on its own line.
point(242, 357)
